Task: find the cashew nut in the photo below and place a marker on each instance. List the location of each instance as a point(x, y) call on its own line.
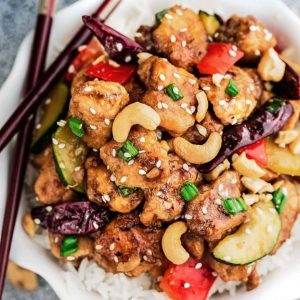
point(247, 167)
point(171, 243)
point(286, 137)
point(202, 106)
point(216, 172)
point(28, 225)
point(198, 154)
point(143, 56)
point(271, 67)
point(134, 114)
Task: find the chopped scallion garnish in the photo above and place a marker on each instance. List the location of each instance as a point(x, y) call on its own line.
point(235, 205)
point(128, 151)
point(174, 92)
point(189, 191)
point(279, 199)
point(160, 15)
point(126, 191)
point(69, 245)
point(232, 89)
point(274, 106)
point(76, 126)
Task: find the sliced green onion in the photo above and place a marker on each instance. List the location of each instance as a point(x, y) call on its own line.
point(174, 92)
point(128, 151)
point(76, 126)
point(275, 105)
point(160, 15)
point(189, 191)
point(232, 89)
point(126, 191)
point(235, 205)
point(279, 199)
point(69, 245)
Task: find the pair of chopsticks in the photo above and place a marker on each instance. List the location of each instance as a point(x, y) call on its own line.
point(36, 90)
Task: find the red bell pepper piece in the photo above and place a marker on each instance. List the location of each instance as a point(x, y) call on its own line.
point(107, 72)
point(87, 55)
point(256, 151)
point(220, 57)
point(186, 282)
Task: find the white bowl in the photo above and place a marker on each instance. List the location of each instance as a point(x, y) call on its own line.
point(280, 284)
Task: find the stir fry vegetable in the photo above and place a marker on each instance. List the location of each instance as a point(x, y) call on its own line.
point(174, 92)
point(279, 199)
point(256, 151)
point(76, 218)
point(69, 245)
point(235, 205)
point(211, 22)
point(76, 126)
point(261, 124)
point(189, 191)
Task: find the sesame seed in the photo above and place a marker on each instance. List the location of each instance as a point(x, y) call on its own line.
point(159, 105)
point(38, 126)
point(142, 151)
point(198, 266)
point(188, 217)
point(127, 155)
point(253, 28)
point(183, 29)
point(234, 181)
point(248, 102)
point(168, 16)
point(145, 258)
point(138, 34)
point(56, 240)
point(217, 78)
point(214, 274)
point(119, 47)
point(179, 12)
point(113, 177)
point(222, 102)
point(76, 169)
point(95, 225)
point(233, 121)
point(130, 162)
point(142, 172)
point(54, 141)
point(193, 109)
point(232, 53)
point(234, 48)
point(112, 246)
point(162, 77)
point(98, 247)
point(159, 194)
point(62, 165)
point(88, 89)
point(185, 167)
point(123, 179)
point(37, 221)
point(92, 110)
point(61, 146)
point(227, 76)
point(189, 111)
point(95, 150)
point(70, 258)
point(192, 81)
point(186, 285)
point(176, 90)
point(218, 201)
point(206, 88)
point(149, 252)
point(48, 101)
point(160, 87)
point(113, 152)
point(173, 38)
point(257, 52)
point(227, 258)
point(106, 198)
point(61, 123)
point(158, 164)
point(49, 208)
point(128, 58)
point(82, 47)
point(176, 75)
point(183, 43)
point(106, 121)
point(248, 231)
point(165, 105)
point(184, 105)
point(204, 210)
point(201, 129)
point(94, 127)
point(142, 139)
point(71, 69)
point(116, 259)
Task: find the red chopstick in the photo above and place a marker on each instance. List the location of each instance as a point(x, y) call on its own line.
point(35, 68)
point(22, 151)
point(54, 72)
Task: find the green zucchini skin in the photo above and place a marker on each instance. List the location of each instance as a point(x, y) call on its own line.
point(253, 240)
point(56, 110)
point(66, 159)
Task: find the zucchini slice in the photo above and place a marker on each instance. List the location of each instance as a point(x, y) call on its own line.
point(211, 22)
point(69, 155)
point(254, 239)
point(54, 111)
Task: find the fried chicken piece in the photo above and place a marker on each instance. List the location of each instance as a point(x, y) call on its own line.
point(208, 217)
point(194, 244)
point(231, 110)
point(48, 187)
point(249, 34)
point(181, 37)
point(164, 202)
point(150, 166)
point(97, 103)
point(102, 190)
point(126, 246)
point(157, 74)
point(144, 37)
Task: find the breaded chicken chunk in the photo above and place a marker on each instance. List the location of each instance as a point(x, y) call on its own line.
point(176, 116)
point(181, 37)
point(97, 103)
point(101, 188)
